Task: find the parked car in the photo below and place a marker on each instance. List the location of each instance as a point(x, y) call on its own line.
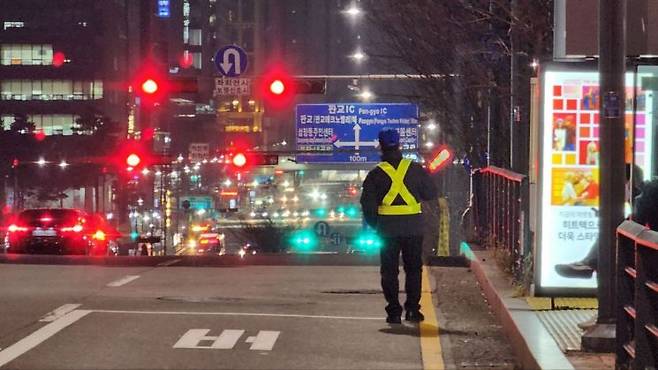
point(59, 231)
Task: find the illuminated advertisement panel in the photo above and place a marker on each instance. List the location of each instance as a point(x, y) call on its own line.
point(569, 173)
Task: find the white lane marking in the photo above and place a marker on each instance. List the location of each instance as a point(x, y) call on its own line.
point(22, 346)
point(59, 312)
point(240, 314)
point(264, 341)
point(169, 263)
point(123, 281)
point(193, 338)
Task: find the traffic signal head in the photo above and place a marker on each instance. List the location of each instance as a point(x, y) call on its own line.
point(239, 160)
point(149, 86)
point(278, 88)
point(245, 160)
point(133, 160)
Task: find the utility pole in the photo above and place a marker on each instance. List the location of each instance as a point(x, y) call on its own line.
point(612, 67)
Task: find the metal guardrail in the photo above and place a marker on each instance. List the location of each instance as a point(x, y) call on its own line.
point(637, 297)
point(501, 200)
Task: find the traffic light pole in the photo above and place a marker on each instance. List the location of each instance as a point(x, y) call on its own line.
point(612, 55)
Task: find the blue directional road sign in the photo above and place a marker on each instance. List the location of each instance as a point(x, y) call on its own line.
point(231, 61)
point(347, 133)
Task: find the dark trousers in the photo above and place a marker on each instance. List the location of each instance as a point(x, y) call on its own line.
point(411, 248)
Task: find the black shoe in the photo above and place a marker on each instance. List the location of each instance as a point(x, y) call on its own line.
point(414, 316)
point(393, 319)
point(574, 270)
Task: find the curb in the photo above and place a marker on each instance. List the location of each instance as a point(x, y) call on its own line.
point(533, 345)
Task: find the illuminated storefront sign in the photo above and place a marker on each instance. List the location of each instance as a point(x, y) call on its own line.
point(163, 9)
point(568, 223)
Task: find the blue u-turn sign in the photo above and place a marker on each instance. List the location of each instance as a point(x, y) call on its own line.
point(231, 61)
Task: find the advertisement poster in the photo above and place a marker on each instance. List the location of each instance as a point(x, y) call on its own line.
point(570, 168)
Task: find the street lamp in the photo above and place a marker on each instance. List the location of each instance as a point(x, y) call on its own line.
point(353, 11)
point(63, 164)
point(431, 126)
point(366, 95)
point(358, 56)
point(41, 162)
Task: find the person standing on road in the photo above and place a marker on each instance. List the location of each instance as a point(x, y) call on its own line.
point(390, 200)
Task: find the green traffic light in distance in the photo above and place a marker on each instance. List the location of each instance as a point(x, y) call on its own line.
point(303, 241)
point(368, 242)
point(352, 211)
point(134, 235)
point(320, 212)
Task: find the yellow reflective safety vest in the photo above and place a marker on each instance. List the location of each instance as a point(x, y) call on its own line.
point(411, 206)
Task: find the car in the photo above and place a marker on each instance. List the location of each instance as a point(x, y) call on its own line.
point(209, 243)
point(59, 231)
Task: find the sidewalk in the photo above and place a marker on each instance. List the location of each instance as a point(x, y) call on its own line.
point(541, 338)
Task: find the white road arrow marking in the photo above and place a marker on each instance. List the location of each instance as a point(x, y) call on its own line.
point(226, 62)
point(264, 341)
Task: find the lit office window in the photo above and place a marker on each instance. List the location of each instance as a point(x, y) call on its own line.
point(196, 60)
point(54, 124)
point(50, 90)
point(26, 54)
point(195, 37)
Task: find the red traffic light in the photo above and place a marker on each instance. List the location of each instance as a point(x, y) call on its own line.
point(133, 160)
point(239, 160)
point(245, 160)
point(149, 86)
point(277, 87)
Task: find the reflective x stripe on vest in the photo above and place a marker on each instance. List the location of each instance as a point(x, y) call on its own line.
point(411, 206)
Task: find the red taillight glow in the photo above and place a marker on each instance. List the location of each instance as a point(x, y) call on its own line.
point(46, 219)
point(99, 235)
point(76, 228)
point(14, 228)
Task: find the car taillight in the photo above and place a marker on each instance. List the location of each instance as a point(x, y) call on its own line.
point(76, 228)
point(204, 241)
point(99, 235)
point(15, 228)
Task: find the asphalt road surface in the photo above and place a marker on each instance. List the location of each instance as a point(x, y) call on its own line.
point(313, 312)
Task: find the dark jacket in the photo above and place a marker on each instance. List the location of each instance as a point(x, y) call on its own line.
point(377, 184)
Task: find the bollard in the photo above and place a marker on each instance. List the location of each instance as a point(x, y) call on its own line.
point(443, 246)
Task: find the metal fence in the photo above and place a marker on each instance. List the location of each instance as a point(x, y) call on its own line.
point(500, 200)
point(637, 297)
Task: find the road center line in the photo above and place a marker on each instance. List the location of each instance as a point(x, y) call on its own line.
point(123, 281)
point(240, 314)
point(59, 312)
point(22, 346)
point(430, 343)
